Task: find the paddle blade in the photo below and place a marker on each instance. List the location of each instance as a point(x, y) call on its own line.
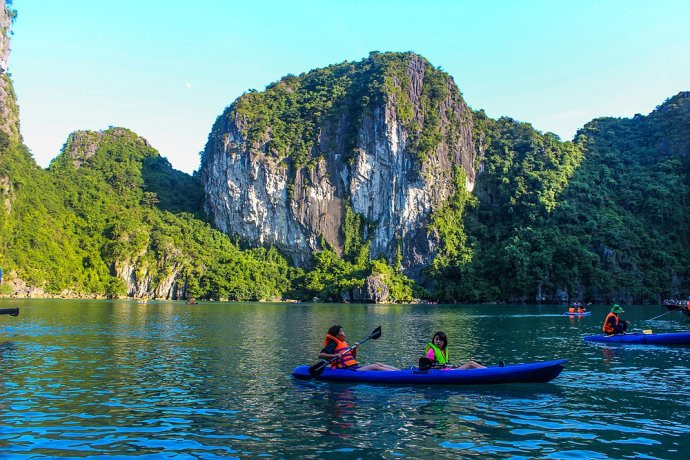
point(376, 333)
point(9, 311)
point(318, 368)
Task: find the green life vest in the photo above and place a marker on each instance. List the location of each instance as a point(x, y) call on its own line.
point(441, 358)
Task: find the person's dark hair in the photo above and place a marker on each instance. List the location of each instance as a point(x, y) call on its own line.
point(334, 330)
point(442, 336)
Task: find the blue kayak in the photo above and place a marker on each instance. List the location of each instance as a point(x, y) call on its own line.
point(586, 313)
point(529, 372)
point(670, 338)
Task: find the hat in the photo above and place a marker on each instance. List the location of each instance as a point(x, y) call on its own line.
point(616, 309)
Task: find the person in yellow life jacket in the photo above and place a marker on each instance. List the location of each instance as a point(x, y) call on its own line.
point(613, 324)
point(334, 345)
point(437, 352)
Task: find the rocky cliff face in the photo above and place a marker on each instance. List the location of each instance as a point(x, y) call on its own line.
point(381, 137)
point(5, 23)
point(9, 113)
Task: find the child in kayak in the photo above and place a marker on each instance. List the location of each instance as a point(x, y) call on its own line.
point(437, 352)
point(334, 345)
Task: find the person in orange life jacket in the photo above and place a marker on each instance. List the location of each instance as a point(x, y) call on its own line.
point(571, 310)
point(613, 324)
point(437, 353)
point(581, 309)
point(335, 346)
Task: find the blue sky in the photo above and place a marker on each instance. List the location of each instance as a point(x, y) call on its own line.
point(167, 68)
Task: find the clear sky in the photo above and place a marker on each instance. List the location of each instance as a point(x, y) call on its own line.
point(167, 68)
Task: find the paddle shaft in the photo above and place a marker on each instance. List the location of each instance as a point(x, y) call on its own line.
point(661, 315)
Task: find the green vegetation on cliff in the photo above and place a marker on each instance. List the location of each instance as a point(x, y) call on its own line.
point(109, 209)
point(602, 218)
point(285, 120)
point(340, 278)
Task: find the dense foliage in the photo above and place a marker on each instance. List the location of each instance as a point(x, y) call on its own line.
point(340, 278)
point(287, 118)
point(602, 218)
point(109, 209)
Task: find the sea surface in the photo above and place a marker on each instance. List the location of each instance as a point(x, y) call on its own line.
point(168, 380)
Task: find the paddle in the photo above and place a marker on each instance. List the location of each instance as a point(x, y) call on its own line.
point(317, 369)
point(660, 315)
point(636, 331)
point(9, 311)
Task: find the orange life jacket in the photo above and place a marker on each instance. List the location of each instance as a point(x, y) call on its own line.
point(571, 309)
point(607, 328)
point(341, 346)
point(580, 310)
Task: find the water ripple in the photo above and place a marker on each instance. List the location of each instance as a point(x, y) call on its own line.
point(87, 379)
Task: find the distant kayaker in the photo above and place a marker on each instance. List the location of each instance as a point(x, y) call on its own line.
point(437, 352)
point(613, 324)
point(334, 345)
point(581, 309)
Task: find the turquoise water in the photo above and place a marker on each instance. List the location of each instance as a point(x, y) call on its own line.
point(90, 378)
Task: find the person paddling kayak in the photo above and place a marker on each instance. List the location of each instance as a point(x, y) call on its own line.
point(613, 324)
point(437, 352)
point(334, 345)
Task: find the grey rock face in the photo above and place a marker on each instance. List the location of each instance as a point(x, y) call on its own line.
point(5, 23)
point(9, 112)
point(249, 192)
point(374, 290)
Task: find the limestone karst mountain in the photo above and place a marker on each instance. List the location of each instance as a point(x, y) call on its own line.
point(385, 138)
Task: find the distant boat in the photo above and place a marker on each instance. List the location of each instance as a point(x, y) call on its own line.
point(673, 304)
point(575, 313)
